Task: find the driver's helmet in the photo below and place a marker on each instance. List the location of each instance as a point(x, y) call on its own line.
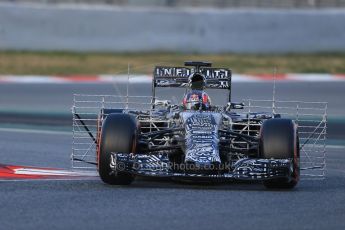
point(196, 98)
point(197, 81)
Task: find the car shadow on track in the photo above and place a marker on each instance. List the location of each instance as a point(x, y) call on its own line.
point(95, 184)
point(158, 183)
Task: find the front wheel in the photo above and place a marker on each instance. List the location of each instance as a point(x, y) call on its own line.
point(119, 133)
point(279, 140)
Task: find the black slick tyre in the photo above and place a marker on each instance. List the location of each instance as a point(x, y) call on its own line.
point(279, 140)
point(118, 134)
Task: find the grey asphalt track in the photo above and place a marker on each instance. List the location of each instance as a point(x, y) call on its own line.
point(51, 103)
point(151, 204)
point(58, 98)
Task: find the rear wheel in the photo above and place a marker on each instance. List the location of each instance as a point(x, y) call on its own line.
point(279, 140)
point(118, 134)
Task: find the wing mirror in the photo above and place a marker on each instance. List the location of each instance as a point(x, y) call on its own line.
point(233, 105)
point(163, 103)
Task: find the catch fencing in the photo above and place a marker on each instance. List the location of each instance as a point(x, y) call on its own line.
point(281, 4)
point(125, 29)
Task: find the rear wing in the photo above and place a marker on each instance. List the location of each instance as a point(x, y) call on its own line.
point(215, 78)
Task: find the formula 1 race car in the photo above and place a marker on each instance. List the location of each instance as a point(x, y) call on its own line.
point(194, 140)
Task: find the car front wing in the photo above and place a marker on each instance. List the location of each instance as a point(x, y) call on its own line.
point(158, 165)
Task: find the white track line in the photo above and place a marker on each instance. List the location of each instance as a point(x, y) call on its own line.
point(53, 172)
point(35, 131)
point(335, 147)
point(61, 179)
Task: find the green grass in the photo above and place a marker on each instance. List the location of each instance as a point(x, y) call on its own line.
point(67, 63)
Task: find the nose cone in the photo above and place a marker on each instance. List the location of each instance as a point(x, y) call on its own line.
point(202, 150)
